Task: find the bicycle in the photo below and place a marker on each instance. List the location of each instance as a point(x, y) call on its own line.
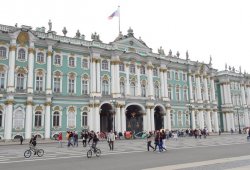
point(93, 149)
point(31, 149)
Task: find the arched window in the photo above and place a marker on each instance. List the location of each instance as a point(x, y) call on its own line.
point(121, 67)
point(56, 119)
point(40, 57)
point(3, 52)
point(71, 120)
point(1, 119)
point(155, 72)
point(122, 87)
point(132, 68)
point(132, 88)
point(85, 87)
point(105, 65)
point(21, 54)
point(177, 92)
point(57, 60)
point(156, 90)
point(84, 119)
point(142, 71)
point(143, 90)
point(71, 61)
point(85, 64)
point(18, 120)
point(105, 87)
point(20, 82)
point(2, 80)
point(38, 119)
point(39, 82)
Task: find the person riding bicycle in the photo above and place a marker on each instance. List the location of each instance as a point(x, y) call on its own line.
point(95, 141)
point(33, 143)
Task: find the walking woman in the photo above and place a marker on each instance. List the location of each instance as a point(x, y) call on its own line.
point(149, 141)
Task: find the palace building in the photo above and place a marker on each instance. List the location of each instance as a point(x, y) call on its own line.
point(51, 83)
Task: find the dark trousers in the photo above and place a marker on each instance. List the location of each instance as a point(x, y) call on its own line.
point(111, 145)
point(149, 145)
point(84, 143)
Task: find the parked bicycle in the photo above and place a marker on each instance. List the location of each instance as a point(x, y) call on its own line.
point(35, 151)
point(93, 150)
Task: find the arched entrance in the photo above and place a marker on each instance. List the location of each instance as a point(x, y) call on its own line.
point(134, 119)
point(159, 118)
point(106, 118)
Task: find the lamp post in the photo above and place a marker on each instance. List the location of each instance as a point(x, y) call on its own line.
point(238, 114)
point(113, 104)
point(190, 114)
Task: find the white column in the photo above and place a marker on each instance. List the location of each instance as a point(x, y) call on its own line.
point(162, 84)
point(168, 120)
point(212, 89)
point(47, 118)
point(48, 81)
point(93, 77)
point(206, 89)
point(137, 68)
point(28, 119)
point(216, 122)
point(145, 127)
point(248, 95)
point(152, 119)
point(243, 96)
point(165, 78)
point(97, 119)
point(127, 79)
point(118, 119)
point(232, 121)
point(198, 85)
point(11, 70)
point(246, 117)
point(98, 78)
point(30, 68)
point(150, 82)
point(228, 121)
point(229, 93)
point(222, 94)
point(148, 118)
point(201, 116)
point(190, 87)
point(209, 125)
point(165, 121)
point(8, 119)
point(117, 72)
point(193, 119)
point(113, 84)
point(90, 118)
point(123, 117)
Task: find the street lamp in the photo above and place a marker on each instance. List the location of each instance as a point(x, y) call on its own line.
point(238, 114)
point(113, 104)
point(190, 114)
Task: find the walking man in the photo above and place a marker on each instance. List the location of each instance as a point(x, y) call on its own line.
point(111, 139)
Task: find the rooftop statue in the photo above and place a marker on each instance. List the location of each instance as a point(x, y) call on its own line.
point(170, 53)
point(187, 56)
point(210, 60)
point(78, 34)
point(226, 66)
point(161, 51)
point(64, 31)
point(178, 54)
point(130, 32)
point(50, 26)
point(95, 37)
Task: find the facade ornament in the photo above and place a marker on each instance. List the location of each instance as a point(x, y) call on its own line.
point(83, 37)
point(229, 68)
point(187, 56)
point(64, 31)
point(78, 34)
point(161, 51)
point(95, 37)
point(50, 26)
point(130, 32)
point(240, 69)
point(178, 54)
point(210, 60)
point(16, 25)
point(226, 66)
point(170, 53)
point(233, 69)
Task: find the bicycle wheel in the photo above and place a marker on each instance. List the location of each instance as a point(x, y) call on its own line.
point(98, 152)
point(89, 153)
point(40, 152)
point(27, 153)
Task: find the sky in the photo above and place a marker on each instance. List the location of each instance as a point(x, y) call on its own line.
point(216, 28)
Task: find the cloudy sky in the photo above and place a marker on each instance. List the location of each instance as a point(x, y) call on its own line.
point(220, 28)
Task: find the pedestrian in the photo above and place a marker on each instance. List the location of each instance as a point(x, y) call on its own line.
point(76, 139)
point(84, 138)
point(21, 140)
point(111, 139)
point(219, 132)
point(149, 141)
point(59, 138)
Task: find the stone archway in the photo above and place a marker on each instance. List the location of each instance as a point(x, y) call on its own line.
point(134, 118)
point(106, 118)
point(159, 118)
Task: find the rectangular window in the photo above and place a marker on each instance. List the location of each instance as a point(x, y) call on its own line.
point(39, 83)
point(71, 86)
point(169, 74)
point(84, 87)
point(184, 77)
point(57, 84)
point(1, 119)
point(2, 80)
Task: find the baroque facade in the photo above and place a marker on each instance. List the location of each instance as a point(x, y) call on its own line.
point(51, 83)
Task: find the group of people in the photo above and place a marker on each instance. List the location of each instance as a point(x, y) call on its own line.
point(159, 139)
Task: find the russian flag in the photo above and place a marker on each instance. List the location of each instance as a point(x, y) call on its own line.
point(114, 14)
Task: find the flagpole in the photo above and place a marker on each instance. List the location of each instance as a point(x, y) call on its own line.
point(119, 20)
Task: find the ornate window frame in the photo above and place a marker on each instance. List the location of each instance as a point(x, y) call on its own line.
point(7, 52)
point(44, 57)
point(3, 70)
point(26, 54)
point(57, 74)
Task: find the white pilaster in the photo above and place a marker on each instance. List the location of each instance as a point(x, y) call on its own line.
point(30, 68)
point(169, 120)
point(118, 119)
point(212, 90)
point(228, 121)
point(11, 70)
point(209, 125)
point(8, 119)
point(162, 84)
point(165, 78)
point(198, 85)
point(48, 81)
point(206, 89)
point(152, 119)
point(148, 119)
point(90, 118)
point(138, 80)
point(93, 77)
point(28, 119)
point(229, 93)
point(246, 117)
point(145, 122)
point(113, 84)
point(193, 119)
point(243, 96)
point(222, 94)
point(190, 87)
point(150, 82)
point(216, 122)
point(123, 117)
point(98, 77)
point(97, 119)
point(117, 71)
point(127, 92)
point(201, 117)
point(248, 95)
point(232, 121)
point(47, 118)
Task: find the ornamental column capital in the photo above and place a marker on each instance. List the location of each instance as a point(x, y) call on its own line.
point(31, 51)
point(12, 48)
point(49, 53)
